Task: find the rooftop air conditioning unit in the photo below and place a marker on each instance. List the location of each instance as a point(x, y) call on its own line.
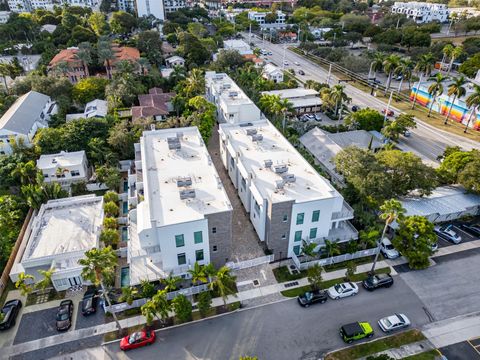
point(184, 181)
point(279, 184)
point(251, 131)
point(289, 178)
point(174, 143)
point(268, 163)
point(187, 194)
point(257, 137)
point(280, 169)
point(246, 124)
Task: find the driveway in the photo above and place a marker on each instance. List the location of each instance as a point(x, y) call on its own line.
point(36, 325)
point(91, 320)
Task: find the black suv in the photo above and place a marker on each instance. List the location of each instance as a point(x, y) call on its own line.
point(89, 302)
point(10, 311)
point(312, 297)
point(64, 315)
point(374, 282)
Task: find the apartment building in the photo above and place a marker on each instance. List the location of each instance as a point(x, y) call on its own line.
point(260, 18)
point(174, 5)
point(233, 105)
point(182, 214)
point(421, 12)
point(57, 237)
point(289, 203)
point(151, 7)
point(31, 5)
point(64, 168)
point(304, 101)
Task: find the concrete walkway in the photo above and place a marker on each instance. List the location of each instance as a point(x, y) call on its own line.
point(405, 350)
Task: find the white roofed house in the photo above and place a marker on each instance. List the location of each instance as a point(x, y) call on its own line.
point(289, 203)
point(57, 237)
point(303, 100)
point(273, 73)
point(183, 214)
point(239, 45)
point(175, 61)
point(21, 121)
point(64, 167)
point(95, 108)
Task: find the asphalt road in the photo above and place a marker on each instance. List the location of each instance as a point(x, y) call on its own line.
point(425, 141)
point(279, 331)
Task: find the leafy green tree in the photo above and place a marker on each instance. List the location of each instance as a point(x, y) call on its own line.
point(89, 89)
point(222, 282)
point(12, 212)
point(110, 237)
point(228, 59)
point(414, 239)
point(108, 175)
point(183, 308)
point(98, 23)
point(24, 283)
point(150, 44)
point(148, 289)
point(192, 49)
point(453, 163)
point(129, 294)
point(365, 119)
point(158, 306)
point(470, 66)
point(204, 303)
point(99, 268)
point(399, 126)
point(122, 22)
point(111, 196)
point(351, 269)
point(314, 276)
point(46, 281)
point(111, 209)
point(39, 192)
point(469, 177)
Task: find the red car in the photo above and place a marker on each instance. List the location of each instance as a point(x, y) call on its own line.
point(137, 339)
point(389, 112)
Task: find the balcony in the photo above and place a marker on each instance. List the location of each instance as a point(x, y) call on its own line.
point(345, 214)
point(344, 232)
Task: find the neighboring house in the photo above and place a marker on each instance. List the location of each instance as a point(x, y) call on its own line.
point(288, 36)
point(95, 108)
point(259, 17)
point(303, 101)
point(123, 53)
point(174, 5)
point(175, 61)
point(319, 32)
point(156, 8)
point(50, 28)
point(289, 203)
point(167, 49)
point(28, 113)
point(66, 63)
point(156, 104)
point(233, 105)
point(273, 73)
point(4, 16)
point(64, 168)
point(239, 45)
point(255, 59)
point(324, 146)
point(166, 72)
point(57, 237)
point(183, 214)
point(421, 12)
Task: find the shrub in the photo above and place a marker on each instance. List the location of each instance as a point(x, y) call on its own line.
point(111, 196)
point(111, 209)
point(110, 223)
point(204, 303)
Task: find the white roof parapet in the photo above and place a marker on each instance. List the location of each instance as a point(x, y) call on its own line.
point(62, 159)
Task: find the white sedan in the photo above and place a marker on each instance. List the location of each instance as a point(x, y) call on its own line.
point(342, 290)
point(393, 322)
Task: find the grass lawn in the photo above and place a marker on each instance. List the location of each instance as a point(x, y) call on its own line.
point(282, 274)
point(374, 347)
point(429, 355)
point(326, 284)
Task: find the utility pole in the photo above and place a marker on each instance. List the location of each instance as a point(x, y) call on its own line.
point(284, 51)
point(416, 91)
point(329, 74)
point(250, 34)
point(388, 107)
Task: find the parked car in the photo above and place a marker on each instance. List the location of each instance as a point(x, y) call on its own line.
point(137, 339)
point(312, 297)
point(10, 311)
point(89, 302)
point(342, 290)
point(285, 63)
point(389, 112)
point(356, 331)
point(307, 117)
point(388, 250)
point(447, 232)
point(297, 63)
point(317, 117)
point(393, 322)
point(471, 229)
point(270, 53)
point(376, 281)
point(301, 72)
point(64, 315)
point(407, 133)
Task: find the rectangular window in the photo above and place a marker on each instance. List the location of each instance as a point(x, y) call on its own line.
point(284, 236)
point(199, 255)
point(313, 233)
point(75, 173)
point(296, 249)
point(315, 215)
point(257, 208)
point(214, 248)
point(179, 240)
point(214, 230)
point(298, 235)
point(285, 218)
point(182, 259)
point(300, 218)
point(198, 237)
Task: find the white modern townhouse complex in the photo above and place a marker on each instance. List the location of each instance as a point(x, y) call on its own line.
point(31, 5)
point(21, 121)
point(233, 105)
point(273, 73)
point(64, 168)
point(421, 12)
point(260, 18)
point(183, 213)
point(150, 7)
point(304, 101)
point(289, 203)
point(57, 237)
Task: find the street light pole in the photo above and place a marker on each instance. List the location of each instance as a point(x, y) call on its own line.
point(388, 107)
point(284, 51)
point(329, 74)
point(416, 91)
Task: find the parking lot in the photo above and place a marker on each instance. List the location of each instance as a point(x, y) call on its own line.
point(90, 320)
point(36, 325)
point(466, 237)
point(462, 351)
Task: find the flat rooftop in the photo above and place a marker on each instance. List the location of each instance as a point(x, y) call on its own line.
point(274, 148)
point(175, 161)
point(62, 159)
point(65, 226)
point(228, 89)
point(293, 93)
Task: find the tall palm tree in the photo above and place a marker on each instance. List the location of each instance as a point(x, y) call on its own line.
point(145, 65)
point(198, 274)
point(171, 282)
point(456, 53)
point(377, 63)
point(435, 89)
point(284, 107)
point(26, 172)
point(46, 280)
point(456, 89)
point(404, 69)
point(177, 74)
point(390, 63)
point(390, 211)
point(194, 83)
point(447, 52)
point(98, 268)
point(24, 283)
point(61, 68)
point(473, 102)
point(425, 64)
point(332, 248)
point(338, 97)
point(223, 282)
point(105, 53)
point(4, 72)
point(129, 293)
point(84, 54)
point(310, 84)
point(158, 306)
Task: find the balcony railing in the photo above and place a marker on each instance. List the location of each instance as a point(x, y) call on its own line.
point(345, 213)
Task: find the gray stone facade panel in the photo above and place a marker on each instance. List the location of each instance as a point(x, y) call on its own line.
point(276, 228)
point(221, 238)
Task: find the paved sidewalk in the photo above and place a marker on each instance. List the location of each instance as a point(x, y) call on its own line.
point(405, 350)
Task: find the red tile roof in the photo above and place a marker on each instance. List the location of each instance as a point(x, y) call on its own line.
point(125, 53)
point(66, 55)
point(152, 104)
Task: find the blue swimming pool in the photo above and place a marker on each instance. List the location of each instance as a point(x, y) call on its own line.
point(125, 277)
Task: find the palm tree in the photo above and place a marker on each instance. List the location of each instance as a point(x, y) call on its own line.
point(171, 282)
point(458, 90)
point(310, 84)
point(223, 282)
point(198, 274)
point(473, 102)
point(391, 210)
point(105, 53)
point(26, 172)
point(177, 74)
point(158, 307)
point(390, 63)
point(47, 279)
point(24, 284)
point(129, 293)
point(4, 72)
point(148, 311)
point(332, 248)
point(145, 65)
point(338, 97)
point(456, 53)
point(194, 83)
point(285, 107)
point(447, 53)
point(62, 68)
point(426, 64)
point(377, 63)
point(84, 54)
point(98, 268)
point(404, 69)
point(435, 89)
